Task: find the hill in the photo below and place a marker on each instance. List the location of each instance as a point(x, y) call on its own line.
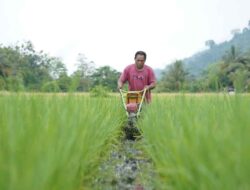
point(199, 61)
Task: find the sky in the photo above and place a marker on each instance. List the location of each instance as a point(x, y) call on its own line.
point(110, 32)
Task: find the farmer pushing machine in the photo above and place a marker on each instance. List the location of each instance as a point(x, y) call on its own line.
point(141, 80)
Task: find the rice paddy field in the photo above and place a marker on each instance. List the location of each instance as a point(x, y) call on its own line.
point(50, 142)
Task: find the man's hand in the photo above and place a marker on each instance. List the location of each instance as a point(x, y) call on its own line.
point(119, 86)
point(147, 87)
point(150, 87)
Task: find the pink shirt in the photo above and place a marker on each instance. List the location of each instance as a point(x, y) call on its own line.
point(137, 80)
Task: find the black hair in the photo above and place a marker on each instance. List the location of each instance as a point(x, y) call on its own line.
point(141, 53)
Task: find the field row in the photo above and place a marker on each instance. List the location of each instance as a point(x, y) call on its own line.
point(199, 142)
point(54, 142)
point(58, 142)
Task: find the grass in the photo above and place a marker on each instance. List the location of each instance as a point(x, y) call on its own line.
point(199, 142)
point(54, 142)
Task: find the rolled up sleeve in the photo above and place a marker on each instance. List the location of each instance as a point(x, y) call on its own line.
point(124, 76)
point(152, 78)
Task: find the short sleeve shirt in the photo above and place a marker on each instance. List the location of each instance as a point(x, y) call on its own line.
point(138, 79)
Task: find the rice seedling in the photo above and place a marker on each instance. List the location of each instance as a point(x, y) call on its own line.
point(54, 142)
point(199, 142)
point(58, 142)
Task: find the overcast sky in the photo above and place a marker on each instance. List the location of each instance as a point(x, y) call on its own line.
point(109, 32)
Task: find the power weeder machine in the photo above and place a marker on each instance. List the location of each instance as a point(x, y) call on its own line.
point(132, 102)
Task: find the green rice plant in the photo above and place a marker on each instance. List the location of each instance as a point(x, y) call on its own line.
point(199, 142)
point(51, 142)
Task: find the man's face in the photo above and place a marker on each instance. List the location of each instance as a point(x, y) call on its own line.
point(139, 61)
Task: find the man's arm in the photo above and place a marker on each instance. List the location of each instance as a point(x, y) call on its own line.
point(151, 86)
point(152, 80)
point(119, 84)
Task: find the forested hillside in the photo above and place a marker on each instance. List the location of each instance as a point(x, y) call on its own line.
point(199, 62)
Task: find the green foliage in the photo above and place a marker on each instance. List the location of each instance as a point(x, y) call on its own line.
point(15, 83)
point(2, 84)
point(232, 71)
point(106, 76)
point(79, 83)
point(64, 82)
point(82, 76)
point(56, 67)
point(241, 80)
point(99, 91)
point(199, 142)
point(36, 69)
point(174, 77)
point(200, 61)
point(51, 87)
point(225, 65)
point(21, 67)
point(54, 142)
point(23, 63)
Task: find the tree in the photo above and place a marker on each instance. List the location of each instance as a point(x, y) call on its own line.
point(21, 64)
point(174, 77)
point(211, 79)
point(231, 55)
point(10, 61)
point(106, 76)
point(232, 71)
point(15, 83)
point(84, 67)
point(2, 83)
point(56, 67)
point(64, 82)
point(82, 76)
point(35, 68)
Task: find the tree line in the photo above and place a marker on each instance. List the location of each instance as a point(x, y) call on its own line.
point(232, 72)
point(24, 69)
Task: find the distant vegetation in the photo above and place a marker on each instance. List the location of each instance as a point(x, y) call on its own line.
point(222, 66)
point(232, 72)
point(200, 61)
point(24, 69)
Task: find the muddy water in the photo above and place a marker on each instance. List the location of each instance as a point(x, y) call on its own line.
point(126, 168)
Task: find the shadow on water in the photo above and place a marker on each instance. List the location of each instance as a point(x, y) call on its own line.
point(127, 167)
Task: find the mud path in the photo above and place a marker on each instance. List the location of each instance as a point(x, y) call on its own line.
point(126, 168)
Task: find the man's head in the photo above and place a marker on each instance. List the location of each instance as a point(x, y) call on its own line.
point(140, 58)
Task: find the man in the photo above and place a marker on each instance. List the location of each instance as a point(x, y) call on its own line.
point(139, 76)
